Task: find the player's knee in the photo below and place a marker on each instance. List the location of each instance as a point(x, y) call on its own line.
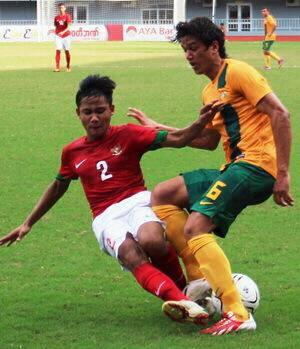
point(188, 231)
point(197, 224)
point(160, 194)
point(131, 254)
point(152, 240)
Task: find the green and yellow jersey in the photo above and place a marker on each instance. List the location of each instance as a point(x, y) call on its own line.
point(270, 25)
point(246, 133)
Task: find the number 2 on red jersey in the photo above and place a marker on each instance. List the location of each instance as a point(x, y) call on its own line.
point(103, 168)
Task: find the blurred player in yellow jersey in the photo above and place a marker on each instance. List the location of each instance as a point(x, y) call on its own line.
point(270, 25)
point(254, 128)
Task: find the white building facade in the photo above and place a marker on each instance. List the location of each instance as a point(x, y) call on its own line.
point(110, 19)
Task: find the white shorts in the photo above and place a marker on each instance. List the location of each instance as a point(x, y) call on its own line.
point(112, 225)
point(63, 43)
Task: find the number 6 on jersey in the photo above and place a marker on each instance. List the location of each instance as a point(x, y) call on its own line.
point(102, 166)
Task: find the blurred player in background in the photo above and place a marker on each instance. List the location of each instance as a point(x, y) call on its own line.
point(223, 28)
point(62, 36)
point(107, 161)
point(255, 131)
point(270, 36)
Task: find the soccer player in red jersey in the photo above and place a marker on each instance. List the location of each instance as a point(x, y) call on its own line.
point(62, 36)
point(107, 161)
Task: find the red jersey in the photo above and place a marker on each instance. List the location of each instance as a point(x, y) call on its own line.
point(61, 23)
point(109, 168)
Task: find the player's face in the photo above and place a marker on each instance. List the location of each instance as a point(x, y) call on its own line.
point(95, 114)
point(200, 57)
point(264, 12)
point(62, 8)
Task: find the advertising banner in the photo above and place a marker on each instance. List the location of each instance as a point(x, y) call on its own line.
point(18, 33)
point(148, 32)
point(81, 33)
point(89, 32)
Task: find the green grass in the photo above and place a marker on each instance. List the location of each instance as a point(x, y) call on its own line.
point(57, 290)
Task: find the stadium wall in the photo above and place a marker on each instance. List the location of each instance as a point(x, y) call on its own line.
point(17, 10)
point(108, 20)
point(278, 9)
point(26, 10)
point(112, 32)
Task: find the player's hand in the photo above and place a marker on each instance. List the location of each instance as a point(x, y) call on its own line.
point(142, 118)
point(281, 193)
point(208, 112)
point(15, 235)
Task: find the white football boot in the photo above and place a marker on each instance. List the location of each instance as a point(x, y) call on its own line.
point(185, 311)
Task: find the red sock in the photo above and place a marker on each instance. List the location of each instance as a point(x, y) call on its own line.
point(57, 59)
point(157, 283)
point(170, 266)
point(68, 58)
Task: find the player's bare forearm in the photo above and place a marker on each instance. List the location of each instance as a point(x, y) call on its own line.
point(273, 30)
point(282, 136)
point(146, 121)
point(185, 136)
point(281, 128)
point(207, 139)
point(52, 194)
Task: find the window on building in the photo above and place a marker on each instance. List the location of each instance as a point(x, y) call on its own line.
point(157, 16)
point(79, 13)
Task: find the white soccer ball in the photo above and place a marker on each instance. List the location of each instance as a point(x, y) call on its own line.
point(248, 290)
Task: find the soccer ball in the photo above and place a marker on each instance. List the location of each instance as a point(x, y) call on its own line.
point(248, 290)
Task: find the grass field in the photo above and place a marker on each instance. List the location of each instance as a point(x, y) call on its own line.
point(57, 290)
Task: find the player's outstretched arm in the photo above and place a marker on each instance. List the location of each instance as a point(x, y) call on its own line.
point(144, 120)
point(52, 194)
point(207, 139)
point(182, 137)
point(281, 127)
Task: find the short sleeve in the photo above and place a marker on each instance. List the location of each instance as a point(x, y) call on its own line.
point(249, 82)
point(69, 18)
point(160, 138)
point(141, 137)
point(66, 171)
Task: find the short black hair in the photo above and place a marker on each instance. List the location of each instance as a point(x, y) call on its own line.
point(95, 86)
point(61, 4)
point(203, 29)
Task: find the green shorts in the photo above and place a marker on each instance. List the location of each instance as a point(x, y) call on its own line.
point(267, 44)
point(223, 195)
